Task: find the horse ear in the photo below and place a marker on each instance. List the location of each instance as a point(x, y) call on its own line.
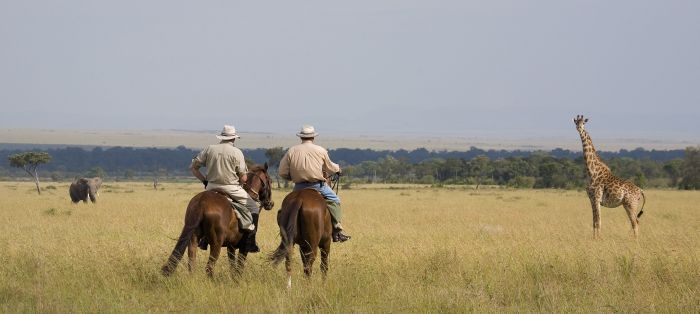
point(265, 165)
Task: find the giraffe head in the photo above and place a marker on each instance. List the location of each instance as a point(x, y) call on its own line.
point(580, 121)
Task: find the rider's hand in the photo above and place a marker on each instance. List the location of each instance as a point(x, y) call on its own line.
point(205, 182)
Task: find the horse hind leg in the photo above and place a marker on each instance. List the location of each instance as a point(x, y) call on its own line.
point(214, 251)
point(308, 256)
point(288, 266)
point(170, 265)
point(325, 254)
point(192, 253)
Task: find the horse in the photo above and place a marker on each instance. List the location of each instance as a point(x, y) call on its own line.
point(209, 214)
point(305, 220)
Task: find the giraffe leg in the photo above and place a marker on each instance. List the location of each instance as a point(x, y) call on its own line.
point(596, 221)
point(595, 196)
point(631, 213)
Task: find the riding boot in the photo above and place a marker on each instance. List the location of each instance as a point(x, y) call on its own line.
point(203, 243)
point(339, 236)
point(244, 216)
point(336, 215)
point(251, 245)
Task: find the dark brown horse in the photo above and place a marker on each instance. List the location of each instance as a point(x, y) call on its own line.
point(305, 220)
point(209, 214)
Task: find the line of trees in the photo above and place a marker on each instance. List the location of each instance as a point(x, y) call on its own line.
point(524, 169)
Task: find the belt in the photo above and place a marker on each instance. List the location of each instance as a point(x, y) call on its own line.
point(320, 182)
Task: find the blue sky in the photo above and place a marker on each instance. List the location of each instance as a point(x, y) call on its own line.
point(503, 68)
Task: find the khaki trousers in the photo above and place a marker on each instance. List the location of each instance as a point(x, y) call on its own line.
point(240, 196)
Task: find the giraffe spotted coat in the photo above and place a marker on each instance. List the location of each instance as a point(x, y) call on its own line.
point(606, 189)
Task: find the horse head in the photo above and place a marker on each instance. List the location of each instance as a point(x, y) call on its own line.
point(259, 186)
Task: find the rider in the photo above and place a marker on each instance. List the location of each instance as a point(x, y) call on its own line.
point(226, 172)
point(304, 164)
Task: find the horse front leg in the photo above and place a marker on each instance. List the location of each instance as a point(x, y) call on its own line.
point(240, 261)
point(231, 252)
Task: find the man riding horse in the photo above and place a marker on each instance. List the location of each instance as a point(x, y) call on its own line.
point(304, 164)
point(226, 172)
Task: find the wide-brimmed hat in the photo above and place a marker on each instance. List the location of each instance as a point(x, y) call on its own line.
point(307, 131)
point(228, 133)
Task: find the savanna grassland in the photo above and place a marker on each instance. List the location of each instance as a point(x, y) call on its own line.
point(414, 249)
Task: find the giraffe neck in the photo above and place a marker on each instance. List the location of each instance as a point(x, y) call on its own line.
point(594, 166)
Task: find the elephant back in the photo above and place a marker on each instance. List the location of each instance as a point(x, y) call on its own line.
point(85, 188)
point(78, 190)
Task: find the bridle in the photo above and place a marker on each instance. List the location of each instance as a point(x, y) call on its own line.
point(255, 195)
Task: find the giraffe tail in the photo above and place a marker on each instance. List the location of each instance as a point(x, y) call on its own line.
point(641, 211)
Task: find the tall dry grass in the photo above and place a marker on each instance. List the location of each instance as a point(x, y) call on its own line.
point(414, 249)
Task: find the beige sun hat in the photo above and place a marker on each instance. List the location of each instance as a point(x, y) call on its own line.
point(228, 133)
point(307, 131)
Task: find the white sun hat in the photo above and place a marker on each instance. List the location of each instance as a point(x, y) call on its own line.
point(228, 133)
point(307, 131)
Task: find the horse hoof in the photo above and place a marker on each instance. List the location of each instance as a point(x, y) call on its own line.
point(166, 271)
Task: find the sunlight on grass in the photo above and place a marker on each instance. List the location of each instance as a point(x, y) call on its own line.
point(414, 249)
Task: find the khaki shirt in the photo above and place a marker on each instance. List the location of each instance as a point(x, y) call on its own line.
point(305, 162)
point(224, 163)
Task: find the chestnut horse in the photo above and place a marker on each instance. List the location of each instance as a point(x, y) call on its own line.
point(305, 220)
point(209, 214)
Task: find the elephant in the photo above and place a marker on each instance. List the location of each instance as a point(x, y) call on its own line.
point(83, 188)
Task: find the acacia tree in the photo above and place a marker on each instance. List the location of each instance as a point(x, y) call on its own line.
point(274, 156)
point(691, 169)
point(29, 162)
point(480, 168)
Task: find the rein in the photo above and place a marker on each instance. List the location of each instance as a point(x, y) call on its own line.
point(334, 179)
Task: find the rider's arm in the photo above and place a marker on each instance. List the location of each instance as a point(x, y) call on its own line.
point(328, 165)
point(283, 169)
point(242, 178)
point(194, 167)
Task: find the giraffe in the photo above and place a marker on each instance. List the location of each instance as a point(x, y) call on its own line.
point(606, 189)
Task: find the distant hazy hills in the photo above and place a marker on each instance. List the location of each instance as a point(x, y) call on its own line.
point(57, 138)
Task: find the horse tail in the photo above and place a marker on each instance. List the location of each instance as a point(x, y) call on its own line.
point(287, 220)
point(193, 217)
point(641, 211)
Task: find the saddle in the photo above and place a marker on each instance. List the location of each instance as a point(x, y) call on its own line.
point(235, 205)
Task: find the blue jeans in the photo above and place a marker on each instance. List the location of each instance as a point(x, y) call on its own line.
point(322, 188)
